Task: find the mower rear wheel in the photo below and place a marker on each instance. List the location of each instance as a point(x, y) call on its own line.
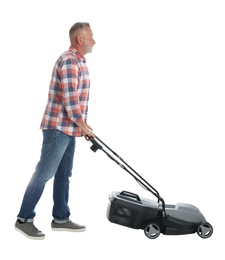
point(152, 230)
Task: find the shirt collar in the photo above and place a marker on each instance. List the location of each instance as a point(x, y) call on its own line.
point(78, 54)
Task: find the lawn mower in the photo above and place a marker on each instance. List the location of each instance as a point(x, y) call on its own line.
point(154, 217)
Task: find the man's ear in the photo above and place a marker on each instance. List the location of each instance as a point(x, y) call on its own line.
point(79, 39)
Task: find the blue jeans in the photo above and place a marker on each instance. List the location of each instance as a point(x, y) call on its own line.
point(56, 161)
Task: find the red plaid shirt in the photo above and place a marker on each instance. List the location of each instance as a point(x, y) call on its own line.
point(68, 94)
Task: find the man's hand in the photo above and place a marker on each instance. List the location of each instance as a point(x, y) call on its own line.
point(87, 130)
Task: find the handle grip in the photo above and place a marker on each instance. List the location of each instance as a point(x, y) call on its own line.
point(130, 194)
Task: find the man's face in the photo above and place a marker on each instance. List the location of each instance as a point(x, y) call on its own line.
point(88, 41)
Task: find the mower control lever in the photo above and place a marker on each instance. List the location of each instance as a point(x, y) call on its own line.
point(95, 145)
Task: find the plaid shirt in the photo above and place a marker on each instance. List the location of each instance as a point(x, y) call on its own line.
point(68, 94)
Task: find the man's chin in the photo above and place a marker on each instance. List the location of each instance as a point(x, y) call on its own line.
point(89, 51)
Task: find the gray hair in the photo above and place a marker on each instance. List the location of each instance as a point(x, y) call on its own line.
point(77, 27)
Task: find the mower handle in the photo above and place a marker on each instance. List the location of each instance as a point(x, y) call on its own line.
point(96, 146)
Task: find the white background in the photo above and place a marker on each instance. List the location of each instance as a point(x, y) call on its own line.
point(157, 99)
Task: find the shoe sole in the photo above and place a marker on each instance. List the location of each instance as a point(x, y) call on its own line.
point(34, 238)
point(69, 229)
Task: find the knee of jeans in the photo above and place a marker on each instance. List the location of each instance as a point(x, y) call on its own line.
point(63, 175)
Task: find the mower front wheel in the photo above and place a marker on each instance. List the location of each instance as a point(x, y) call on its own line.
point(205, 230)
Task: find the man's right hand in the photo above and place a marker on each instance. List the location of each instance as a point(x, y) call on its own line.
point(87, 130)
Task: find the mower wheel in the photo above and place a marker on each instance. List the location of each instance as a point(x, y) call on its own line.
point(205, 230)
point(152, 230)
